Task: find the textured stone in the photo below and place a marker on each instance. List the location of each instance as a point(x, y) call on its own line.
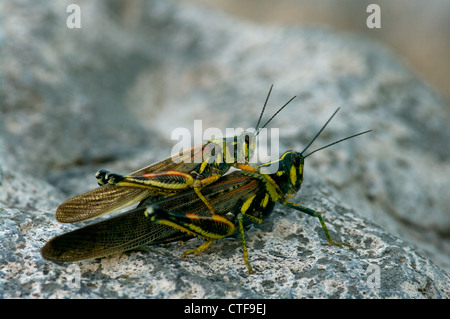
point(109, 95)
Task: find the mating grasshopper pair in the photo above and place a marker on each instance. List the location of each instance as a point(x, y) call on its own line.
point(181, 201)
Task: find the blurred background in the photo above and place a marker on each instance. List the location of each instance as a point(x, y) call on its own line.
point(418, 31)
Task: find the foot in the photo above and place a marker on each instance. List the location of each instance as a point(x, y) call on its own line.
point(335, 243)
point(101, 177)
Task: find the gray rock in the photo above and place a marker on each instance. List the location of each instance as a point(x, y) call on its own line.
point(109, 95)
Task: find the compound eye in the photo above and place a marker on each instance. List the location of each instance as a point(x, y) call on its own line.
point(295, 159)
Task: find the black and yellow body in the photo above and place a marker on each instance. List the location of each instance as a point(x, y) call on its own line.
point(251, 206)
point(237, 199)
point(194, 169)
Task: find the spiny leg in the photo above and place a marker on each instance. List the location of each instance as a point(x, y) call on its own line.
point(315, 213)
point(165, 181)
point(209, 228)
point(204, 200)
point(201, 183)
point(168, 180)
point(240, 218)
point(162, 184)
point(244, 245)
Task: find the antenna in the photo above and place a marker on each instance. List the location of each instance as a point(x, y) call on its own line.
point(264, 107)
point(259, 129)
point(323, 127)
point(341, 140)
point(277, 113)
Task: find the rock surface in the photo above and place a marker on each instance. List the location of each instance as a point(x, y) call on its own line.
point(109, 95)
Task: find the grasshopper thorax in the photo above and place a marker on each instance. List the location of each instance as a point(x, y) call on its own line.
point(237, 149)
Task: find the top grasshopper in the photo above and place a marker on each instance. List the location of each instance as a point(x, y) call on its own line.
point(165, 178)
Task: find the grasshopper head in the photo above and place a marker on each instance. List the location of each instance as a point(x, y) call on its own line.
point(292, 167)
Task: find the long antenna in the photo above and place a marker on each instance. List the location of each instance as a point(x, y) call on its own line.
point(264, 107)
point(323, 127)
point(275, 114)
point(349, 137)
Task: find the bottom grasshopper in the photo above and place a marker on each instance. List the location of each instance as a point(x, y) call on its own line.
point(238, 199)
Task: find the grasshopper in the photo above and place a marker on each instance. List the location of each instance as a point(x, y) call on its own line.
point(165, 178)
point(275, 187)
point(239, 198)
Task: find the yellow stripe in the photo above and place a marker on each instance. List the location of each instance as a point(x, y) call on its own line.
point(197, 231)
point(265, 201)
point(285, 154)
point(215, 218)
point(176, 226)
point(156, 185)
point(247, 204)
point(204, 163)
point(271, 188)
point(293, 174)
